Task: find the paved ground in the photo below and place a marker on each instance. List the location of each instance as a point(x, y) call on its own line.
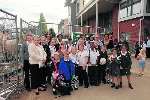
point(141, 90)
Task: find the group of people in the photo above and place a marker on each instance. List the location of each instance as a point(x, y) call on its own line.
point(92, 62)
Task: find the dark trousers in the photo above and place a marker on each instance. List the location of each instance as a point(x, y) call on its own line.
point(83, 77)
point(35, 76)
point(42, 72)
point(26, 68)
point(148, 52)
point(101, 74)
point(77, 70)
point(92, 73)
point(49, 70)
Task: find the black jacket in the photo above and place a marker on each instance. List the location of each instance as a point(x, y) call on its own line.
point(47, 50)
point(102, 55)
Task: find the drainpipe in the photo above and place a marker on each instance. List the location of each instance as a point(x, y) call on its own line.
point(119, 24)
point(96, 16)
point(118, 32)
point(140, 31)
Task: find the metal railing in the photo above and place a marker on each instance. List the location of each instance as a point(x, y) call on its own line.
point(10, 78)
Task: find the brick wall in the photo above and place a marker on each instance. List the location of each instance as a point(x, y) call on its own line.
point(115, 21)
point(132, 27)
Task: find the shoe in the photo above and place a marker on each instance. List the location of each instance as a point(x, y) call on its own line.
point(37, 93)
point(130, 86)
point(86, 86)
point(120, 85)
point(117, 87)
point(113, 85)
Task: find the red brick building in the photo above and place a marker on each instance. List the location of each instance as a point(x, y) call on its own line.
point(126, 19)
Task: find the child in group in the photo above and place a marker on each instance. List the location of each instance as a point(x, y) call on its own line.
point(115, 69)
point(54, 82)
point(102, 63)
point(141, 59)
point(125, 66)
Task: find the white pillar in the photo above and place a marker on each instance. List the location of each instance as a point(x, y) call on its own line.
point(96, 16)
point(81, 24)
point(140, 31)
point(118, 32)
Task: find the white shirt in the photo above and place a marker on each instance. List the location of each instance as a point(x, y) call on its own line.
point(42, 55)
point(52, 50)
point(144, 46)
point(36, 54)
point(82, 58)
point(74, 58)
point(93, 56)
point(148, 43)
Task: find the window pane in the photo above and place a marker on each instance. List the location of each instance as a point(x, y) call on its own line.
point(136, 8)
point(135, 1)
point(148, 6)
point(123, 13)
point(123, 5)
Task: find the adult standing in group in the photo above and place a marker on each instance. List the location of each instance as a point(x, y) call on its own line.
point(37, 58)
point(44, 69)
point(148, 48)
point(48, 37)
point(48, 64)
point(111, 42)
point(83, 60)
point(106, 40)
point(25, 60)
point(92, 65)
point(59, 40)
point(52, 46)
point(97, 40)
point(81, 41)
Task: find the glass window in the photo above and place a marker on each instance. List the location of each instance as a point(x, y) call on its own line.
point(136, 8)
point(148, 6)
point(123, 13)
point(77, 8)
point(123, 5)
point(136, 1)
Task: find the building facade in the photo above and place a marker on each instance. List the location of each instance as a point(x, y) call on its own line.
point(63, 28)
point(126, 19)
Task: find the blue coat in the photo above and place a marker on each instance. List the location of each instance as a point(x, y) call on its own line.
point(66, 68)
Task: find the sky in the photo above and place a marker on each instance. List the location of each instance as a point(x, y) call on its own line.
point(30, 10)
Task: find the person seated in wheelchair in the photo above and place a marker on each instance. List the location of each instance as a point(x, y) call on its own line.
point(63, 76)
point(66, 69)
